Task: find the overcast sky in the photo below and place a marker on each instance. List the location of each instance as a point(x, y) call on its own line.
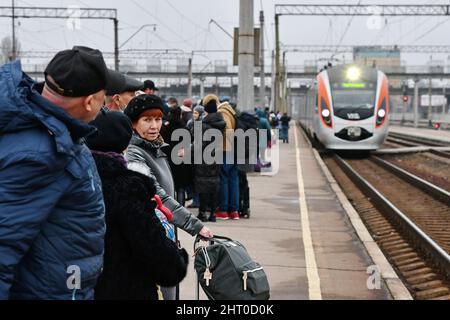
point(184, 24)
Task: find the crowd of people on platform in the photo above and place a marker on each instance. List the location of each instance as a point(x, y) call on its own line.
point(91, 192)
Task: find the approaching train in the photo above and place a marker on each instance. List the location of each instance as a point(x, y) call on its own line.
point(347, 108)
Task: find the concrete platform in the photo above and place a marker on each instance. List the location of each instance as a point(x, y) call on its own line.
point(438, 135)
point(334, 265)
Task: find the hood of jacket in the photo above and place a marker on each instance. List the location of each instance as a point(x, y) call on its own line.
point(227, 109)
point(260, 113)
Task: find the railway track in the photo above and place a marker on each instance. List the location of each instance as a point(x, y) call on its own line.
point(407, 216)
point(397, 139)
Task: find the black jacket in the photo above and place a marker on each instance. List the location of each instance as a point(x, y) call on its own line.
point(182, 173)
point(207, 176)
point(138, 255)
point(285, 120)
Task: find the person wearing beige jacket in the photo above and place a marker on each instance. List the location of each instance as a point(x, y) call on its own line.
point(229, 115)
point(229, 179)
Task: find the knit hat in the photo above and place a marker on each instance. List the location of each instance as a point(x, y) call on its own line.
point(141, 103)
point(199, 109)
point(114, 131)
point(210, 102)
point(187, 102)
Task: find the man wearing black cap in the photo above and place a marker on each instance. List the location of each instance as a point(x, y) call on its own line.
point(51, 205)
point(149, 87)
point(118, 97)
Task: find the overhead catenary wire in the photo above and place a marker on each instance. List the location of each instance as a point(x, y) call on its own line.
point(411, 31)
point(161, 22)
point(432, 29)
point(346, 29)
point(329, 32)
point(184, 16)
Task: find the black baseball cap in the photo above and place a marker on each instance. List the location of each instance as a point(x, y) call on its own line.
point(125, 83)
point(149, 84)
point(79, 72)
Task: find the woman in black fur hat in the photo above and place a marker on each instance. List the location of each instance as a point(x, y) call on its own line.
point(138, 254)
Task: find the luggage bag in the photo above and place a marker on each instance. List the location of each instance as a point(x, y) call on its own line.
point(225, 271)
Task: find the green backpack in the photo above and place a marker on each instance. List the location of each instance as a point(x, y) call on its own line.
point(226, 272)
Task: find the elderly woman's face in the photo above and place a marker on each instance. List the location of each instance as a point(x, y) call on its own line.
point(148, 127)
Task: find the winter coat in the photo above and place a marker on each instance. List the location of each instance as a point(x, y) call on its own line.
point(265, 125)
point(138, 254)
point(207, 176)
point(52, 222)
point(143, 157)
point(182, 173)
point(229, 115)
point(285, 121)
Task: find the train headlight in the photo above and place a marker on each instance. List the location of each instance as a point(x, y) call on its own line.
point(381, 113)
point(325, 113)
point(353, 73)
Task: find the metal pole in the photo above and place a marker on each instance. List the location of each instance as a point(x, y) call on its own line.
point(430, 110)
point(262, 87)
point(202, 87)
point(444, 100)
point(283, 85)
point(405, 105)
point(116, 44)
point(416, 103)
point(189, 86)
point(13, 53)
point(246, 94)
point(217, 86)
point(231, 90)
point(286, 91)
point(272, 89)
point(277, 64)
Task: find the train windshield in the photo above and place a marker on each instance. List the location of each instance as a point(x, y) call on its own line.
point(353, 104)
point(350, 99)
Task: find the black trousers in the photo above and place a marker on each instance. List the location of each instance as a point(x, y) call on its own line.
point(208, 201)
point(180, 196)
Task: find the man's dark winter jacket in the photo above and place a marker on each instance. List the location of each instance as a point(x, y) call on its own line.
point(51, 205)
